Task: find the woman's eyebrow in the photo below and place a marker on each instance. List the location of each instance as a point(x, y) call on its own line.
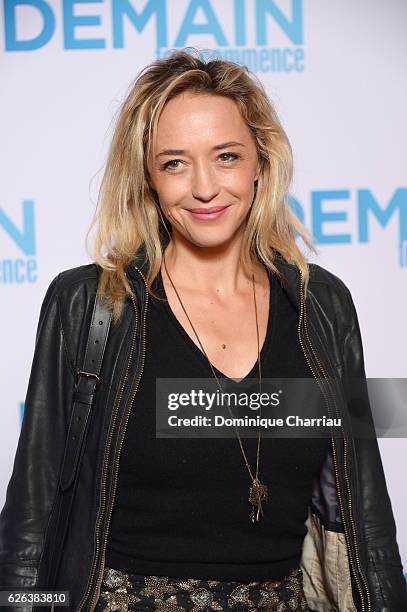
point(231, 143)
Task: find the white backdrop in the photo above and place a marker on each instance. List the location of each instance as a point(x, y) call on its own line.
point(337, 74)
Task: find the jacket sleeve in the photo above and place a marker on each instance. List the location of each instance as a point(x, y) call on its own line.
point(387, 585)
point(33, 484)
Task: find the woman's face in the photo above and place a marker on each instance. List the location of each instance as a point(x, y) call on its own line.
point(206, 158)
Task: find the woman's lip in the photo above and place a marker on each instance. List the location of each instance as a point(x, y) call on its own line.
point(209, 213)
point(208, 210)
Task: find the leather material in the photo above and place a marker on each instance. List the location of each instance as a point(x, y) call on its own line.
point(29, 518)
point(85, 392)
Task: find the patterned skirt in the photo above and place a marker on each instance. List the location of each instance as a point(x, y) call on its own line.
point(121, 591)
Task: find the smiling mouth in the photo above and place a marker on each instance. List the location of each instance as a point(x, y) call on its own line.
point(205, 211)
point(207, 214)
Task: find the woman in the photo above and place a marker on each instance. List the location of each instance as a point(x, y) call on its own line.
point(196, 258)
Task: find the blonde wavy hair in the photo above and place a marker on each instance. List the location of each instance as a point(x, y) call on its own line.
point(127, 214)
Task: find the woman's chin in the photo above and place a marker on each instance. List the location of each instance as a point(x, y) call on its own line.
point(210, 239)
point(209, 234)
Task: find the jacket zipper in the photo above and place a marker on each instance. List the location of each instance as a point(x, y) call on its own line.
point(104, 474)
point(303, 318)
point(116, 466)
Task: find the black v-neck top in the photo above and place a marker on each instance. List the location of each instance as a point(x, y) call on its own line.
point(181, 506)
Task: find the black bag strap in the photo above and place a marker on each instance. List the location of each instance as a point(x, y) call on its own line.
point(87, 383)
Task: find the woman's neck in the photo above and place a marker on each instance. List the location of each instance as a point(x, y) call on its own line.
point(211, 270)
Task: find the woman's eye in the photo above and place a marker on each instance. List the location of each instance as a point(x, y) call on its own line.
point(172, 161)
point(233, 156)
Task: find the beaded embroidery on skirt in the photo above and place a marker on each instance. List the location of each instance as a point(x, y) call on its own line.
point(125, 592)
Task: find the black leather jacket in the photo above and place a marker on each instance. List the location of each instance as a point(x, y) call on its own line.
point(350, 557)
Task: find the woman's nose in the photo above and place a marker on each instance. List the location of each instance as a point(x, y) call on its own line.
point(205, 185)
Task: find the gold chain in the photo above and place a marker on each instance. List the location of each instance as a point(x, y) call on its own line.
point(258, 491)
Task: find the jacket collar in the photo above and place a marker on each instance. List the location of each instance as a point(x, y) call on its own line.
point(289, 272)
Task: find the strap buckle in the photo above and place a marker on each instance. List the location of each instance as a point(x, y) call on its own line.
point(87, 375)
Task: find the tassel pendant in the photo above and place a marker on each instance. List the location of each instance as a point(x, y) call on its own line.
point(258, 494)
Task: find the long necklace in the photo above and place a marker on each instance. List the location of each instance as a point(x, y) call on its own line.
point(258, 491)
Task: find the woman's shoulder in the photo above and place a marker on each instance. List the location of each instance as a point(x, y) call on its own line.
point(321, 278)
point(70, 293)
point(68, 280)
point(72, 283)
point(319, 274)
point(66, 308)
point(333, 296)
point(322, 283)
